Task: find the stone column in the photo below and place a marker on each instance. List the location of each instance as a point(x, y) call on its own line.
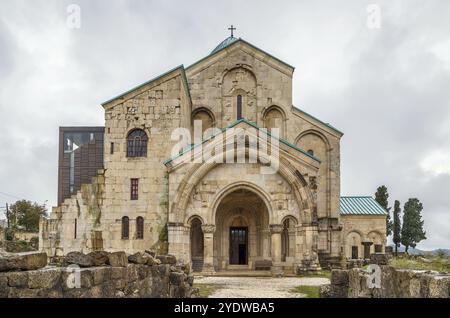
point(208, 247)
point(178, 236)
point(299, 247)
point(275, 231)
point(310, 260)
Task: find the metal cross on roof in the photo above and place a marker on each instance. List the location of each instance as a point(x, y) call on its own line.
point(232, 29)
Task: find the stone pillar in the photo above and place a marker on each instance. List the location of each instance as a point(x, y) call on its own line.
point(208, 247)
point(178, 236)
point(276, 230)
point(299, 246)
point(366, 249)
point(310, 260)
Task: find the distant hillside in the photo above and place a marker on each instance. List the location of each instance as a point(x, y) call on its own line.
point(416, 251)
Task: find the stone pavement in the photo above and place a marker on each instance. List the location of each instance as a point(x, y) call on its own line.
point(259, 287)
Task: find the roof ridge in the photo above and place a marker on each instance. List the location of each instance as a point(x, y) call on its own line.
point(181, 66)
point(356, 196)
point(214, 52)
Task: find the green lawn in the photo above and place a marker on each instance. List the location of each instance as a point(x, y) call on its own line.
point(422, 263)
point(309, 291)
point(206, 290)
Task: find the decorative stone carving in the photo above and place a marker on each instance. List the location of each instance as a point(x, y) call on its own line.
point(313, 183)
point(202, 196)
point(276, 228)
point(208, 228)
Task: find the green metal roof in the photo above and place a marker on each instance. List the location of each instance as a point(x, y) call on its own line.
point(146, 83)
point(243, 120)
point(361, 205)
point(228, 42)
point(224, 44)
point(317, 119)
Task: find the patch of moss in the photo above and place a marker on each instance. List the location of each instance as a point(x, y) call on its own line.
point(309, 291)
point(206, 290)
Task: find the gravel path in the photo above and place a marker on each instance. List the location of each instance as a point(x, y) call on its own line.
point(259, 287)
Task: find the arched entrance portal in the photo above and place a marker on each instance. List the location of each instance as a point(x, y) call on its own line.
point(242, 233)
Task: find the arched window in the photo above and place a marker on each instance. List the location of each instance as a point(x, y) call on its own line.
point(125, 228)
point(205, 116)
point(274, 121)
point(239, 107)
point(311, 152)
point(140, 228)
point(137, 143)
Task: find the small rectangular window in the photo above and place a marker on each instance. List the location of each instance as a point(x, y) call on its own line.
point(75, 230)
point(134, 189)
point(112, 148)
point(378, 248)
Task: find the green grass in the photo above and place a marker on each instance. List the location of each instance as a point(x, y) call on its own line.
point(309, 291)
point(206, 290)
point(416, 263)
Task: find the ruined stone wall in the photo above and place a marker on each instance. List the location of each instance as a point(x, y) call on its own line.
point(395, 283)
point(2, 235)
point(161, 279)
point(73, 224)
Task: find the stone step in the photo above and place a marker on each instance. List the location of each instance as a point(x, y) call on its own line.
point(238, 273)
point(197, 264)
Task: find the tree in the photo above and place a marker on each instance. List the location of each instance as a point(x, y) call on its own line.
point(412, 230)
point(27, 214)
point(396, 226)
point(382, 196)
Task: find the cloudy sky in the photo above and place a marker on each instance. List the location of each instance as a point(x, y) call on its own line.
point(387, 88)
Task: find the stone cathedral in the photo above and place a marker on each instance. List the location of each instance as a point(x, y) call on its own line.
point(215, 216)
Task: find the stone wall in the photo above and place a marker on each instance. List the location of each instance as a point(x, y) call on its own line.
point(395, 283)
point(163, 279)
point(363, 228)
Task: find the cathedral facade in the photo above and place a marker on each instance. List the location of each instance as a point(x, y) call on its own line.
point(213, 214)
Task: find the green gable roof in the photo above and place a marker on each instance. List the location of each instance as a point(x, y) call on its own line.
point(361, 205)
point(231, 41)
point(243, 120)
point(180, 67)
point(224, 44)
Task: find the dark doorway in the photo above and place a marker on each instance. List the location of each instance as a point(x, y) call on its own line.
point(354, 252)
point(196, 245)
point(238, 245)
